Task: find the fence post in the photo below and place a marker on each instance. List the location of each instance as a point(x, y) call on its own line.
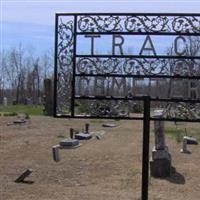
point(145, 153)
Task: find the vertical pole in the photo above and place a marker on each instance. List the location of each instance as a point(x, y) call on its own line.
point(55, 151)
point(74, 68)
point(87, 128)
point(71, 133)
point(55, 66)
point(145, 153)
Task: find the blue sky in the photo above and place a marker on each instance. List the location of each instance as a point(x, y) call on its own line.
point(31, 22)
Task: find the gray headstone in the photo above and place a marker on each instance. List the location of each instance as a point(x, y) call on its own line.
point(159, 135)
point(83, 136)
point(184, 146)
point(191, 140)
point(160, 165)
point(160, 168)
point(55, 151)
point(69, 142)
point(109, 125)
point(48, 100)
point(5, 101)
point(19, 121)
point(159, 131)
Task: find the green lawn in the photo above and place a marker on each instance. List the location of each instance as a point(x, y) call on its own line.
point(29, 109)
point(180, 132)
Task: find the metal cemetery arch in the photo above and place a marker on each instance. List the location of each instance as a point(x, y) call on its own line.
point(80, 76)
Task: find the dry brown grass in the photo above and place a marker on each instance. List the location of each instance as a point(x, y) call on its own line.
point(106, 169)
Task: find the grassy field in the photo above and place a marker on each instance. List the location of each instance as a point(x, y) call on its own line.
point(178, 132)
point(14, 109)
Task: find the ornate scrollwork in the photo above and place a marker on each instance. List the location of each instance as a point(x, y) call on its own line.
point(186, 24)
point(113, 23)
point(138, 66)
point(139, 23)
point(146, 24)
point(64, 64)
point(98, 65)
point(99, 23)
point(184, 67)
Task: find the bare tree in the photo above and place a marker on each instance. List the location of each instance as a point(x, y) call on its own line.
point(22, 74)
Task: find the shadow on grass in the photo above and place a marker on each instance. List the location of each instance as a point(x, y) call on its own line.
point(176, 177)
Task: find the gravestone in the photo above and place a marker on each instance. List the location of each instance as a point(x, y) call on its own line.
point(184, 146)
point(5, 101)
point(109, 125)
point(23, 175)
point(191, 140)
point(69, 142)
point(160, 164)
point(188, 140)
point(55, 151)
point(71, 133)
point(84, 135)
point(87, 128)
point(48, 98)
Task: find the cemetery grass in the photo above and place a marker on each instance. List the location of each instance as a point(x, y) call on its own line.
point(105, 169)
point(20, 108)
point(178, 133)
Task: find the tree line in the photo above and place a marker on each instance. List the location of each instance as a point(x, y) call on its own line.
point(22, 75)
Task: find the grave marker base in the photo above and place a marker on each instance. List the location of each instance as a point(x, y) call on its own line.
point(160, 164)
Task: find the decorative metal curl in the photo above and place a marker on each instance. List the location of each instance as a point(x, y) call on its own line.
point(132, 66)
point(146, 24)
point(146, 66)
point(138, 66)
point(99, 23)
point(97, 65)
point(186, 24)
point(65, 65)
point(139, 23)
point(123, 24)
point(65, 45)
point(184, 67)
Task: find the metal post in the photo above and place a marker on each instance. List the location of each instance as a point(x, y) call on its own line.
point(55, 67)
point(71, 133)
point(74, 67)
point(145, 153)
point(87, 128)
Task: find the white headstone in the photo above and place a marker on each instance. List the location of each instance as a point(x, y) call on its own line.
point(184, 146)
point(5, 101)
